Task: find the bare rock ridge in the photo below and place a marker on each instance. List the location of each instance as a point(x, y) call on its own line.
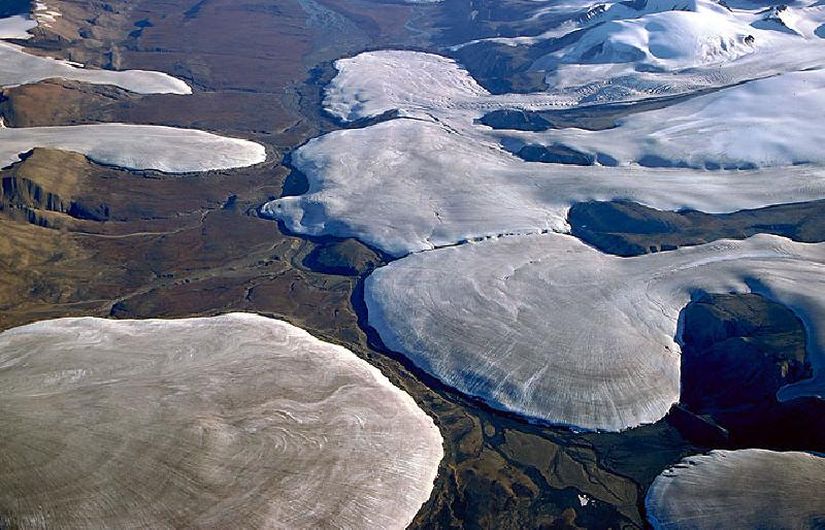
point(628, 229)
point(347, 257)
point(27, 196)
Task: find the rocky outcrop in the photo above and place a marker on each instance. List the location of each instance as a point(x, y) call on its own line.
point(518, 120)
point(23, 192)
point(628, 229)
point(27, 196)
point(737, 352)
point(346, 258)
point(555, 154)
point(27, 199)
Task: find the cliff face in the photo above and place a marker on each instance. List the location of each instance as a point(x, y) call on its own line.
point(31, 194)
point(17, 191)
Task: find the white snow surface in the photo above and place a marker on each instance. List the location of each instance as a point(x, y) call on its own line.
point(20, 68)
point(442, 178)
point(408, 185)
point(16, 27)
point(17, 67)
point(749, 488)
point(621, 51)
point(139, 147)
point(236, 420)
point(768, 122)
point(45, 14)
point(372, 83)
point(167, 149)
point(543, 325)
point(549, 328)
point(666, 39)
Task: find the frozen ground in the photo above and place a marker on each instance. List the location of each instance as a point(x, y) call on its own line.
point(550, 328)
point(750, 488)
point(237, 420)
point(44, 14)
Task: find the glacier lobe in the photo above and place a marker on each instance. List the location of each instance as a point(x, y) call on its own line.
point(236, 420)
point(550, 328)
point(749, 488)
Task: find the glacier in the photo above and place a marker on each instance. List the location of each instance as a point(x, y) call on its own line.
point(748, 488)
point(549, 328)
point(204, 422)
point(139, 147)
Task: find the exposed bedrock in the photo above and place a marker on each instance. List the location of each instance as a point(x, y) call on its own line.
point(28, 196)
point(738, 351)
point(554, 154)
point(627, 228)
point(346, 258)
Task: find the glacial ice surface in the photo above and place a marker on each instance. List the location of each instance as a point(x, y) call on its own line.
point(443, 178)
point(515, 320)
point(236, 420)
point(767, 122)
point(408, 185)
point(16, 27)
point(547, 327)
point(619, 51)
point(20, 68)
point(167, 149)
point(749, 488)
point(17, 67)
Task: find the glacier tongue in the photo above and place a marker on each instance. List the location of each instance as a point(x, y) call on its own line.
point(438, 187)
point(552, 329)
point(749, 488)
point(168, 149)
point(223, 422)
